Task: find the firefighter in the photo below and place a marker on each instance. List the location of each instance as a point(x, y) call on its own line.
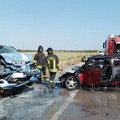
point(40, 62)
point(53, 63)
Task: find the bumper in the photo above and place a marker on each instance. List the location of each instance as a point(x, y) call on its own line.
point(20, 79)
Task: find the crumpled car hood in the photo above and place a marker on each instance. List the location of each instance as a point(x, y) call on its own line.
point(70, 69)
point(12, 57)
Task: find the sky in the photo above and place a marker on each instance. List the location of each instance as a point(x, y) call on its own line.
point(60, 24)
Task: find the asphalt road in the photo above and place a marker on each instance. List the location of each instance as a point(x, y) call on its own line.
point(68, 105)
point(34, 104)
point(93, 105)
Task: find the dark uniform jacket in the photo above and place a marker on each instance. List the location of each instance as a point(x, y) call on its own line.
point(40, 60)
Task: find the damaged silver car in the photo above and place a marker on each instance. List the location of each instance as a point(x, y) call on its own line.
point(15, 70)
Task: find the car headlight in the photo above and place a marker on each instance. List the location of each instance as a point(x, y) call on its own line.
point(19, 63)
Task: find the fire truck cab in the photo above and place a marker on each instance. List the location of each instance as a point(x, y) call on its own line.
point(112, 45)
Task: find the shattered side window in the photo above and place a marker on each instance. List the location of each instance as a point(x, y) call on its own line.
point(93, 62)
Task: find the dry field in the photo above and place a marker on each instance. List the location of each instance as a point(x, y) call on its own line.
point(68, 58)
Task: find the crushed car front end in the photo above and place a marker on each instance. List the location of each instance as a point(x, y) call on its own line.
point(16, 70)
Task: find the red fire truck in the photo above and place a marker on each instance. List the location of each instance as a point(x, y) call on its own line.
point(112, 45)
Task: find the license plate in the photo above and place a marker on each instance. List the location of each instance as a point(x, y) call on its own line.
point(18, 75)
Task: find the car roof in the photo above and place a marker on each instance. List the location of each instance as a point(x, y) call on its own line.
point(103, 57)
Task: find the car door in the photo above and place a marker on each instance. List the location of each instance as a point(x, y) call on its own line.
point(91, 75)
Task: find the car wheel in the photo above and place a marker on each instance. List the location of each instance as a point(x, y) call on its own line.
point(71, 83)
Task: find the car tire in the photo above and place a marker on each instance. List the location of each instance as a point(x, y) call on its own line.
point(71, 82)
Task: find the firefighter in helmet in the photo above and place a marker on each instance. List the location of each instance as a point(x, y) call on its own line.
point(40, 62)
point(53, 63)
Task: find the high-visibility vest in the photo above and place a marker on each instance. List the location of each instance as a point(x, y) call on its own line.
point(52, 65)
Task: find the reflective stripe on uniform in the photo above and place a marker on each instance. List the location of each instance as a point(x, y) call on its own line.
point(39, 66)
point(53, 70)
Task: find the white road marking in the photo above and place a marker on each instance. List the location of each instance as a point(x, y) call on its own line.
point(61, 110)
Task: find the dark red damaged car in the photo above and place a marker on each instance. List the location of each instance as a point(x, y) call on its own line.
point(97, 71)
